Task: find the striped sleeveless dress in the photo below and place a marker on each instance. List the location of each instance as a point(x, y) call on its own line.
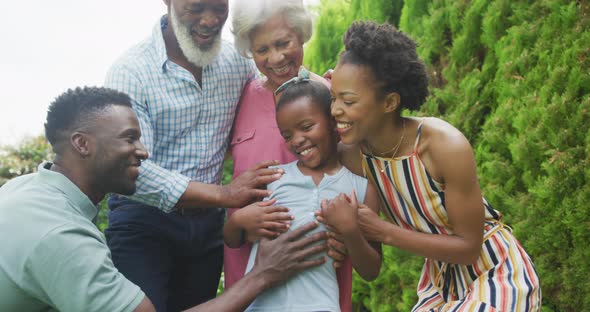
point(502, 279)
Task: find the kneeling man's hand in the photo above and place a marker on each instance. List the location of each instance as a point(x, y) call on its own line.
point(279, 259)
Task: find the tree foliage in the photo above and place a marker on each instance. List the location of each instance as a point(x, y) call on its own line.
point(513, 76)
point(334, 16)
point(23, 158)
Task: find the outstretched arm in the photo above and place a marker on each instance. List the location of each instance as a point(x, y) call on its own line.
point(168, 189)
point(243, 190)
point(449, 159)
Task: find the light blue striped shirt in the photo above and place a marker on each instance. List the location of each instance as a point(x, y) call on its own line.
point(185, 126)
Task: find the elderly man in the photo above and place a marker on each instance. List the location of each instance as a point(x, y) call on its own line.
point(56, 259)
point(184, 83)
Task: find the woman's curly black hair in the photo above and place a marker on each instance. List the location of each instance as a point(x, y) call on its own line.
point(392, 57)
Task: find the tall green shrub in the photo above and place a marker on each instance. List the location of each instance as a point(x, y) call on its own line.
point(514, 77)
point(326, 42)
point(543, 90)
point(334, 17)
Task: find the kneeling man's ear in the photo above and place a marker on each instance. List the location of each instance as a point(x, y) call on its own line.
point(81, 143)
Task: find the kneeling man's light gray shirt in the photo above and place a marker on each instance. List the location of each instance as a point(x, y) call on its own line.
point(53, 257)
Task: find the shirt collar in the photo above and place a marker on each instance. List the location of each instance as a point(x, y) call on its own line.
point(80, 201)
point(158, 37)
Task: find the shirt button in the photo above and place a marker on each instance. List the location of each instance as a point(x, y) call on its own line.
point(239, 139)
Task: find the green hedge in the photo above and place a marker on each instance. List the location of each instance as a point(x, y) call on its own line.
point(514, 76)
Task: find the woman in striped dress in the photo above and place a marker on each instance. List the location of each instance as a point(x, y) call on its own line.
point(425, 172)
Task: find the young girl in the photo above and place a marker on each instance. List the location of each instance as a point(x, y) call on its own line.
point(304, 121)
point(425, 173)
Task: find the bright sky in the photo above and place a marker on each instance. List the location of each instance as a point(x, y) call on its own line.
point(50, 46)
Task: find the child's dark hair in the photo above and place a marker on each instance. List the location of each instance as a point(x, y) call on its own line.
point(391, 56)
point(319, 94)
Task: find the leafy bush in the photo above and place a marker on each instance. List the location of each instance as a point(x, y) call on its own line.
point(23, 158)
point(513, 76)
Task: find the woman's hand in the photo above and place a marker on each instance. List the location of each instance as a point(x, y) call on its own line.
point(341, 216)
point(341, 213)
point(370, 223)
point(263, 219)
point(328, 74)
point(335, 242)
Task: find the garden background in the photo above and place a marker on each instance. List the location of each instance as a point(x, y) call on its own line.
point(514, 76)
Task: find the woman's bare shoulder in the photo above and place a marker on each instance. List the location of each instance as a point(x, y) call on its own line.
point(442, 148)
point(439, 133)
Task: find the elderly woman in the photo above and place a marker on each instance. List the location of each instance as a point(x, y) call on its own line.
point(272, 33)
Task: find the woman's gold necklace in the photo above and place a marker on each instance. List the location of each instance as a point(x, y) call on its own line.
point(393, 150)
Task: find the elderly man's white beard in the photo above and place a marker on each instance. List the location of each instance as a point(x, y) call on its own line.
point(192, 51)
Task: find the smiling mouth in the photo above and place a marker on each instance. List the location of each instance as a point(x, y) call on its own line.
point(204, 35)
point(343, 125)
point(204, 40)
point(281, 70)
point(305, 152)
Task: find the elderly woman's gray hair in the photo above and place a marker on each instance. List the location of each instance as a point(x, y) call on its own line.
point(247, 15)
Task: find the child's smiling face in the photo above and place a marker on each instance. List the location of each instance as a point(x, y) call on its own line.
point(308, 132)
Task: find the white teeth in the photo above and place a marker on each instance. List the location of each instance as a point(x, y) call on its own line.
point(342, 125)
point(305, 152)
point(281, 70)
